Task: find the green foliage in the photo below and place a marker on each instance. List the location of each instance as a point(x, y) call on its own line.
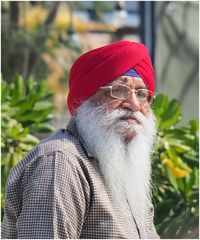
point(175, 171)
point(25, 110)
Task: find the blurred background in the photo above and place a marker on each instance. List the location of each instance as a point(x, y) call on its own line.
point(40, 41)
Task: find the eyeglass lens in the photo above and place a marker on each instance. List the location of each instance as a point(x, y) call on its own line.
point(121, 91)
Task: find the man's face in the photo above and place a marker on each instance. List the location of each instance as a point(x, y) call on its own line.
point(131, 103)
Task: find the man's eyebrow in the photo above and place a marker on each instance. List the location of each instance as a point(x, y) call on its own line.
point(118, 80)
point(122, 82)
point(141, 87)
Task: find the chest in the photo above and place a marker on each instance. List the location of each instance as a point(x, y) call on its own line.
point(104, 218)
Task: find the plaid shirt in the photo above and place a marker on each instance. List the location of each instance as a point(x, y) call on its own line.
point(58, 191)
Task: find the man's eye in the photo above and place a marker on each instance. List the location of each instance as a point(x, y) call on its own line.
point(119, 91)
point(143, 93)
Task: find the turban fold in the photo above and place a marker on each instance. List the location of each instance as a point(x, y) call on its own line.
point(101, 66)
point(131, 72)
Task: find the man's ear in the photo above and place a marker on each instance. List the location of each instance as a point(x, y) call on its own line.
point(76, 103)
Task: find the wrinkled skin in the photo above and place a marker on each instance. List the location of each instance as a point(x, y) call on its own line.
point(131, 103)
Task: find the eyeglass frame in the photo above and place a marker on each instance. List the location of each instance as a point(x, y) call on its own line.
point(131, 91)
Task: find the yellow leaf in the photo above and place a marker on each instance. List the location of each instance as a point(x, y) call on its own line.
point(170, 164)
point(165, 161)
point(177, 172)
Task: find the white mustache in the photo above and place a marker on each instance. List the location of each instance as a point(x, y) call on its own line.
point(116, 115)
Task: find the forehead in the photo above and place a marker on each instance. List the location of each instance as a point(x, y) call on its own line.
point(133, 81)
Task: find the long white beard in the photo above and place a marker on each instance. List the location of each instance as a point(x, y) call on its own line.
point(126, 166)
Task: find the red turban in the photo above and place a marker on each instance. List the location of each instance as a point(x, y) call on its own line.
point(101, 66)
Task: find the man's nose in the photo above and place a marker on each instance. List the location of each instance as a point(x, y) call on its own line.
point(131, 103)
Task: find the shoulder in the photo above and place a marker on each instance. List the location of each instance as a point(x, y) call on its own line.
point(60, 153)
point(61, 141)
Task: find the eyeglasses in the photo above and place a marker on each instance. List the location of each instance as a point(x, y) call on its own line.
point(121, 91)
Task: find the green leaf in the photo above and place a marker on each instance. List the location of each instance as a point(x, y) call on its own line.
point(170, 116)
point(43, 91)
point(25, 147)
point(159, 104)
point(26, 103)
point(177, 144)
point(194, 125)
point(16, 157)
point(43, 106)
point(189, 182)
point(34, 116)
point(181, 184)
point(17, 90)
point(5, 158)
point(29, 139)
point(172, 179)
point(16, 132)
point(5, 91)
point(6, 164)
point(30, 86)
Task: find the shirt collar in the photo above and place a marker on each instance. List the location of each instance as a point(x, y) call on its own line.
point(73, 129)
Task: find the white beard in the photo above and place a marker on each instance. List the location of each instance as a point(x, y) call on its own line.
point(126, 166)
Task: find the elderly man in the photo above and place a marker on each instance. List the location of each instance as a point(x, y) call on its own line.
point(92, 179)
